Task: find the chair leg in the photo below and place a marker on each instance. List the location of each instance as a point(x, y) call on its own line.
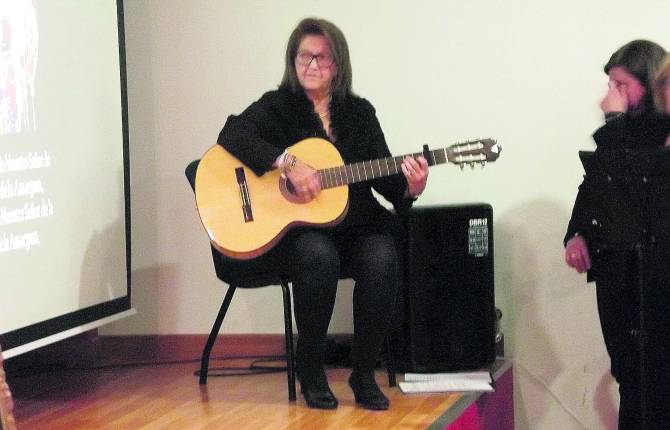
point(390, 362)
point(204, 361)
point(288, 337)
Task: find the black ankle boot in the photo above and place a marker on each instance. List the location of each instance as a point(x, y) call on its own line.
point(367, 392)
point(317, 392)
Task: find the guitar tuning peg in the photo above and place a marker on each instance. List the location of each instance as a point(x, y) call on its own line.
point(472, 165)
point(462, 166)
point(482, 163)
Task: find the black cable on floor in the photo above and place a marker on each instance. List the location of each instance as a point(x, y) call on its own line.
point(253, 369)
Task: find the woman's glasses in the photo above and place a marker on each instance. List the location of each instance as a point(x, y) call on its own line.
point(322, 61)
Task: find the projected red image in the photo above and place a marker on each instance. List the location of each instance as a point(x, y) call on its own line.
point(18, 61)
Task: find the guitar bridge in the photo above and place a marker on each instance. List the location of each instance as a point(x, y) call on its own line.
point(244, 194)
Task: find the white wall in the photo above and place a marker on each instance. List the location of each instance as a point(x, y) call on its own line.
point(528, 73)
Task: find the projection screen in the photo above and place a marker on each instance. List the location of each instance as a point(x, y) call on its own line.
point(64, 171)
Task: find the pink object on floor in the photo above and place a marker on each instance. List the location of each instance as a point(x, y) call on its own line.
point(491, 411)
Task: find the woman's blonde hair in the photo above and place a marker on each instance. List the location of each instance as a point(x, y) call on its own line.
point(661, 82)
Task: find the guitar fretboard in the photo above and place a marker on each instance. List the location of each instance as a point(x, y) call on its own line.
point(372, 169)
point(468, 152)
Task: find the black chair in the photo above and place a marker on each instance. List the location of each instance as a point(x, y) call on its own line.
point(255, 274)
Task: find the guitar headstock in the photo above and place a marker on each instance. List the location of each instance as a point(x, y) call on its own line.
point(475, 151)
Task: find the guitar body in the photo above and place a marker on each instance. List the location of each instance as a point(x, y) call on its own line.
point(272, 208)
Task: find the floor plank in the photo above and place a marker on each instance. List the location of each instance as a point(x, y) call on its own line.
point(169, 397)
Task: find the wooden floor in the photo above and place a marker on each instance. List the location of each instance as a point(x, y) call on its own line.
point(169, 397)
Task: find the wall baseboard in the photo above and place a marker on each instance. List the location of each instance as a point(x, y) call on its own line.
point(91, 350)
point(177, 347)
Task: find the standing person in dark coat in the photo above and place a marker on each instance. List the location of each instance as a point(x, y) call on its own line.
point(602, 233)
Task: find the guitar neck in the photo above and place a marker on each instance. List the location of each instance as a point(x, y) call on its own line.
point(371, 169)
point(469, 152)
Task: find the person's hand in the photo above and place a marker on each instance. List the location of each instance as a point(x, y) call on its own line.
point(577, 254)
point(615, 100)
point(305, 180)
point(416, 172)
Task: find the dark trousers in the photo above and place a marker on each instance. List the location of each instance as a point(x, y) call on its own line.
point(315, 259)
point(618, 294)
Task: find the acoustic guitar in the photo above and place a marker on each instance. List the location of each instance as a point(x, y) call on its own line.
point(245, 215)
point(6, 405)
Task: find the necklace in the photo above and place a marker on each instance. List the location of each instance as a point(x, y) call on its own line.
point(323, 114)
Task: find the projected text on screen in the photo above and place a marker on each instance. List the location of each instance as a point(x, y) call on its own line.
point(63, 166)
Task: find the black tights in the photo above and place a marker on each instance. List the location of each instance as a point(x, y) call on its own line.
point(315, 259)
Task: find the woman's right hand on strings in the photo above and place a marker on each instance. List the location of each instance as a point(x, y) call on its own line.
point(305, 180)
point(577, 254)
